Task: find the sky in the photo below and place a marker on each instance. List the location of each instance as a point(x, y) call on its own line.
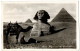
point(21, 12)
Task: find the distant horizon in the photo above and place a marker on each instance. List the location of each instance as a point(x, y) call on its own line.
point(21, 12)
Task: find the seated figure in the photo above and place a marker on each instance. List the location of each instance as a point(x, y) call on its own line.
point(42, 27)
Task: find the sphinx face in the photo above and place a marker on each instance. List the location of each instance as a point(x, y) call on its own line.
point(40, 14)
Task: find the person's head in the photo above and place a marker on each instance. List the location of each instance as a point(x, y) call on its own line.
point(41, 14)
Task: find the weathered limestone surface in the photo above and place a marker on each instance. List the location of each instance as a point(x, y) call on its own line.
point(39, 28)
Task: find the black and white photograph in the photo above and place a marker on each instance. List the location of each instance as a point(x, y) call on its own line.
point(39, 25)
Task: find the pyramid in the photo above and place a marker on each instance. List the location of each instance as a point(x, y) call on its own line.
point(63, 16)
point(28, 21)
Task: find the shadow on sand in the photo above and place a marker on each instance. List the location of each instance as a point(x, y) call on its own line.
point(56, 31)
point(32, 40)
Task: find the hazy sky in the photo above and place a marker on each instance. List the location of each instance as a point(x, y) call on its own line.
point(20, 12)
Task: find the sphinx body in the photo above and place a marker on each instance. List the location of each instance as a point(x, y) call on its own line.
point(41, 29)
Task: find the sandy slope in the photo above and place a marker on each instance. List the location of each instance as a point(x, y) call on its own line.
point(64, 37)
